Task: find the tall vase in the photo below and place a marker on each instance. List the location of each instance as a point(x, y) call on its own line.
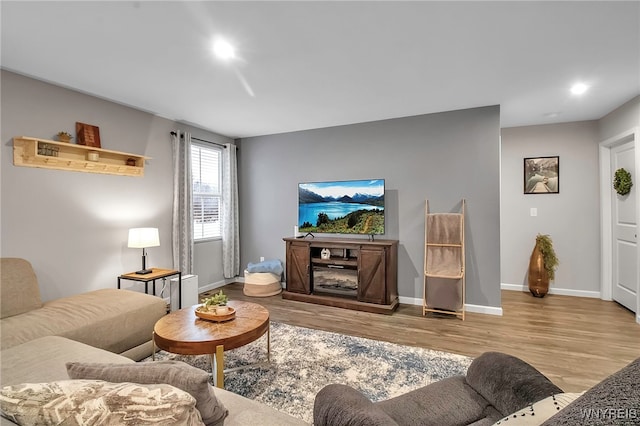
point(538, 276)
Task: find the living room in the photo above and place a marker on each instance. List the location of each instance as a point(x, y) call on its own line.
point(73, 226)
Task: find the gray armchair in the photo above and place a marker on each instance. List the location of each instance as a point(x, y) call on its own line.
point(495, 386)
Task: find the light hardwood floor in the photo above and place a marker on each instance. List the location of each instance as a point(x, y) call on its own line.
point(574, 341)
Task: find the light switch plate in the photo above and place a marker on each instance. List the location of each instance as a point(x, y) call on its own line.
point(534, 211)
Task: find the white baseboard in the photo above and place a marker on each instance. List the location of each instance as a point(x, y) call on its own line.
point(553, 290)
point(410, 300)
point(480, 309)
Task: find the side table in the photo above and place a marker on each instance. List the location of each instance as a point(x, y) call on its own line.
point(156, 274)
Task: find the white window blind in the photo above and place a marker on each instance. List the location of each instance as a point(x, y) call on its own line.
point(206, 176)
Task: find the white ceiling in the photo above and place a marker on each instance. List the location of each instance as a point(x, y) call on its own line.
point(305, 65)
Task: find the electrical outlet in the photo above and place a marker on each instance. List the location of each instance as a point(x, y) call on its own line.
point(261, 258)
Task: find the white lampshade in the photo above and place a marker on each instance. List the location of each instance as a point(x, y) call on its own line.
point(143, 237)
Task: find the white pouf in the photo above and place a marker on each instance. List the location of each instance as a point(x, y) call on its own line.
point(261, 284)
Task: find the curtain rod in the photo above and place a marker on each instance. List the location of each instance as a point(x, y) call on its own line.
point(198, 139)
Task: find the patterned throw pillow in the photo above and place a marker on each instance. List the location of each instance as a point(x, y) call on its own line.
point(95, 402)
point(175, 373)
point(539, 412)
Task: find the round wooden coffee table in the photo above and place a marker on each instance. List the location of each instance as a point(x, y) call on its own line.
point(181, 332)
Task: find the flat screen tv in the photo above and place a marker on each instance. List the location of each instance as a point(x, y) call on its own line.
point(341, 207)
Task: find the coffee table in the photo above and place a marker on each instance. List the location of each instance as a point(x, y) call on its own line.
point(181, 332)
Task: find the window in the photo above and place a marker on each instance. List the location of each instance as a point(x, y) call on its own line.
point(206, 175)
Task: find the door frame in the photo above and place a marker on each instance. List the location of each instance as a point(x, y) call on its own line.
point(606, 213)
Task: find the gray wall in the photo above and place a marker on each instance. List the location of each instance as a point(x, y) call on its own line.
point(73, 226)
point(443, 157)
point(572, 217)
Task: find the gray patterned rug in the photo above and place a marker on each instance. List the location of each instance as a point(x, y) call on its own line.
point(303, 361)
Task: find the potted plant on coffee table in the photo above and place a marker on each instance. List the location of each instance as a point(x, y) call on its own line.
point(217, 303)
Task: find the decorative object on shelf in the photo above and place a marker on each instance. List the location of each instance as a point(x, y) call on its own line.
point(88, 135)
point(622, 181)
point(143, 238)
point(325, 253)
point(48, 150)
point(542, 175)
point(542, 266)
point(64, 136)
point(131, 161)
point(93, 156)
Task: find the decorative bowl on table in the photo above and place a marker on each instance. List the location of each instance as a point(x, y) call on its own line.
point(215, 313)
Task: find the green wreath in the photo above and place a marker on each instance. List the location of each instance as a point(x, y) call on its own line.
point(622, 181)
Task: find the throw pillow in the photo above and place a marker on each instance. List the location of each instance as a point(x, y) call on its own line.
point(95, 402)
point(539, 412)
point(176, 373)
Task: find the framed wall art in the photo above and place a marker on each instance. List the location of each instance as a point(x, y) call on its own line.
point(88, 135)
point(542, 175)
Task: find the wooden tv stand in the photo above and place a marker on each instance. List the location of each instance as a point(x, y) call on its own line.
point(358, 274)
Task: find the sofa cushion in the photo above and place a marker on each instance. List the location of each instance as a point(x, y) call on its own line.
point(176, 373)
point(448, 401)
point(115, 320)
point(536, 413)
point(75, 402)
point(19, 291)
point(338, 404)
point(43, 360)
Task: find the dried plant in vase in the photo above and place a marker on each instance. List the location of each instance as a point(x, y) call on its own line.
point(542, 266)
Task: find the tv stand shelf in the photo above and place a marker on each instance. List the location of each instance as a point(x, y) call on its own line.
point(336, 261)
point(367, 270)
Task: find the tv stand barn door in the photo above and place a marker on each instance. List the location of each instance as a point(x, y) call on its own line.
point(372, 266)
point(372, 275)
point(298, 264)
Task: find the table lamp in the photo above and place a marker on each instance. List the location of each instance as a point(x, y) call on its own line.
point(143, 238)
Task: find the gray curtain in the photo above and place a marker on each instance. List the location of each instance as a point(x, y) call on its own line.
point(229, 213)
point(182, 211)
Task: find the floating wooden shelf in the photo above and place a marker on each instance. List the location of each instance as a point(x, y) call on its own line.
point(48, 154)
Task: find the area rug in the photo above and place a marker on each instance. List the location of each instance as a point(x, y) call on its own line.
point(304, 360)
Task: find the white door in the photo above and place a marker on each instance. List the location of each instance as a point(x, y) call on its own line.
point(625, 231)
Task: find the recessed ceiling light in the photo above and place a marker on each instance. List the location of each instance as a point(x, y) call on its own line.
point(223, 50)
point(579, 88)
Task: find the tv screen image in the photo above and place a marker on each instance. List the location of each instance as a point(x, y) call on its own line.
point(342, 207)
